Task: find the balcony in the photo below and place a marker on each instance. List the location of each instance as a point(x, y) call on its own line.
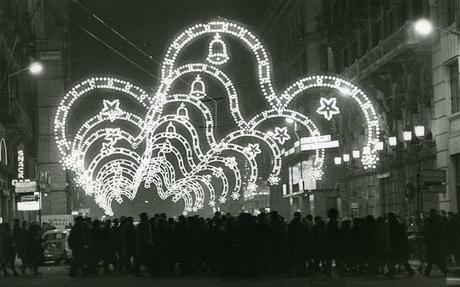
point(13, 116)
point(394, 45)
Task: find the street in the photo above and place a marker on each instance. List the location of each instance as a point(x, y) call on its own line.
point(57, 276)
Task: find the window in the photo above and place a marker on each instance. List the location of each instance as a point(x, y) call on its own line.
point(451, 11)
point(454, 86)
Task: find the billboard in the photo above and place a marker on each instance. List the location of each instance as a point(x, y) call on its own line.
point(27, 196)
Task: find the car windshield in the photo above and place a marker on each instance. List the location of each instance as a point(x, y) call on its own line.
point(55, 236)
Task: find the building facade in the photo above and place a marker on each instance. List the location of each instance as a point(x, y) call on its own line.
point(51, 27)
point(297, 50)
point(375, 46)
point(446, 96)
point(18, 98)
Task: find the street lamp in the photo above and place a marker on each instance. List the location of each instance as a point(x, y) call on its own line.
point(35, 68)
point(392, 141)
point(346, 157)
point(424, 27)
point(419, 131)
point(407, 136)
point(379, 145)
point(289, 120)
point(337, 160)
point(356, 153)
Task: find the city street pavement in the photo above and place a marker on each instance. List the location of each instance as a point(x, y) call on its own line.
point(57, 276)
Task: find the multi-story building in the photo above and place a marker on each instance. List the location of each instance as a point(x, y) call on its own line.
point(50, 28)
point(375, 46)
point(17, 97)
point(290, 34)
point(446, 96)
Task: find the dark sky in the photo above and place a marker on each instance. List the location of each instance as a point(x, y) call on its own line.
point(151, 25)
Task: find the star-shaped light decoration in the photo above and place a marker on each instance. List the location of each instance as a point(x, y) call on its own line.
point(222, 199)
point(252, 150)
point(235, 195)
point(111, 109)
point(231, 162)
point(118, 170)
point(212, 203)
point(107, 148)
point(119, 199)
point(328, 108)
point(281, 134)
point(113, 135)
point(273, 179)
point(218, 172)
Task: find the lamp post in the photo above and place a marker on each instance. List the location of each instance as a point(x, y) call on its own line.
point(35, 68)
point(425, 27)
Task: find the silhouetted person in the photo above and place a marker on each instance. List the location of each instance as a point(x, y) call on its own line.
point(399, 246)
point(19, 234)
point(115, 238)
point(332, 240)
point(298, 234)
point(144, 244)
point(8, 250)
point(435, 243)
point(34, 250)
point(128, 236)
point(78, 243)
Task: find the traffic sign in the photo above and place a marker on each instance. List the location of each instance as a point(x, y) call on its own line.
point(432, 176)
point(434, 189)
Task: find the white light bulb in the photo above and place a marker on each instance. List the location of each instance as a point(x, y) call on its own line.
point(36, 68)
point(423, 27)
point(392, 141)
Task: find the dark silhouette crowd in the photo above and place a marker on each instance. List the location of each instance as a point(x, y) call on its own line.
point(266, 244)
point(23, 242)
point(245, 245)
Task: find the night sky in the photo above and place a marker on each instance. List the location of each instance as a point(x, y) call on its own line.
point(150, 25)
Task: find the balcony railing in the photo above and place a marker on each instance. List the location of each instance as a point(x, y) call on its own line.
point(401, 40)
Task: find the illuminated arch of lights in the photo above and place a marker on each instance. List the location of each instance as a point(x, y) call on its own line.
point(163, 150)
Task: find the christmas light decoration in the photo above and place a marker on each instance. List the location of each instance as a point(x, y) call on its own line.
point(328, 108)
point(160, 147)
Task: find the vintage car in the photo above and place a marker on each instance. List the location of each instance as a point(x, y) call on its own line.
point(55, 246)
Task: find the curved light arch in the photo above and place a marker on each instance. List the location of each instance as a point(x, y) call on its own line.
point(119, 169)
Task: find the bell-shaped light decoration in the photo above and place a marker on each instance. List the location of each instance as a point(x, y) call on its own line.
point(217, 52)
point(171, 128)
point(198, 88)
point(182, 111)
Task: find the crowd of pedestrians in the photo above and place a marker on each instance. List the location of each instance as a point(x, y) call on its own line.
point(23, 242)
point(244, 245)
point(266, 244)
